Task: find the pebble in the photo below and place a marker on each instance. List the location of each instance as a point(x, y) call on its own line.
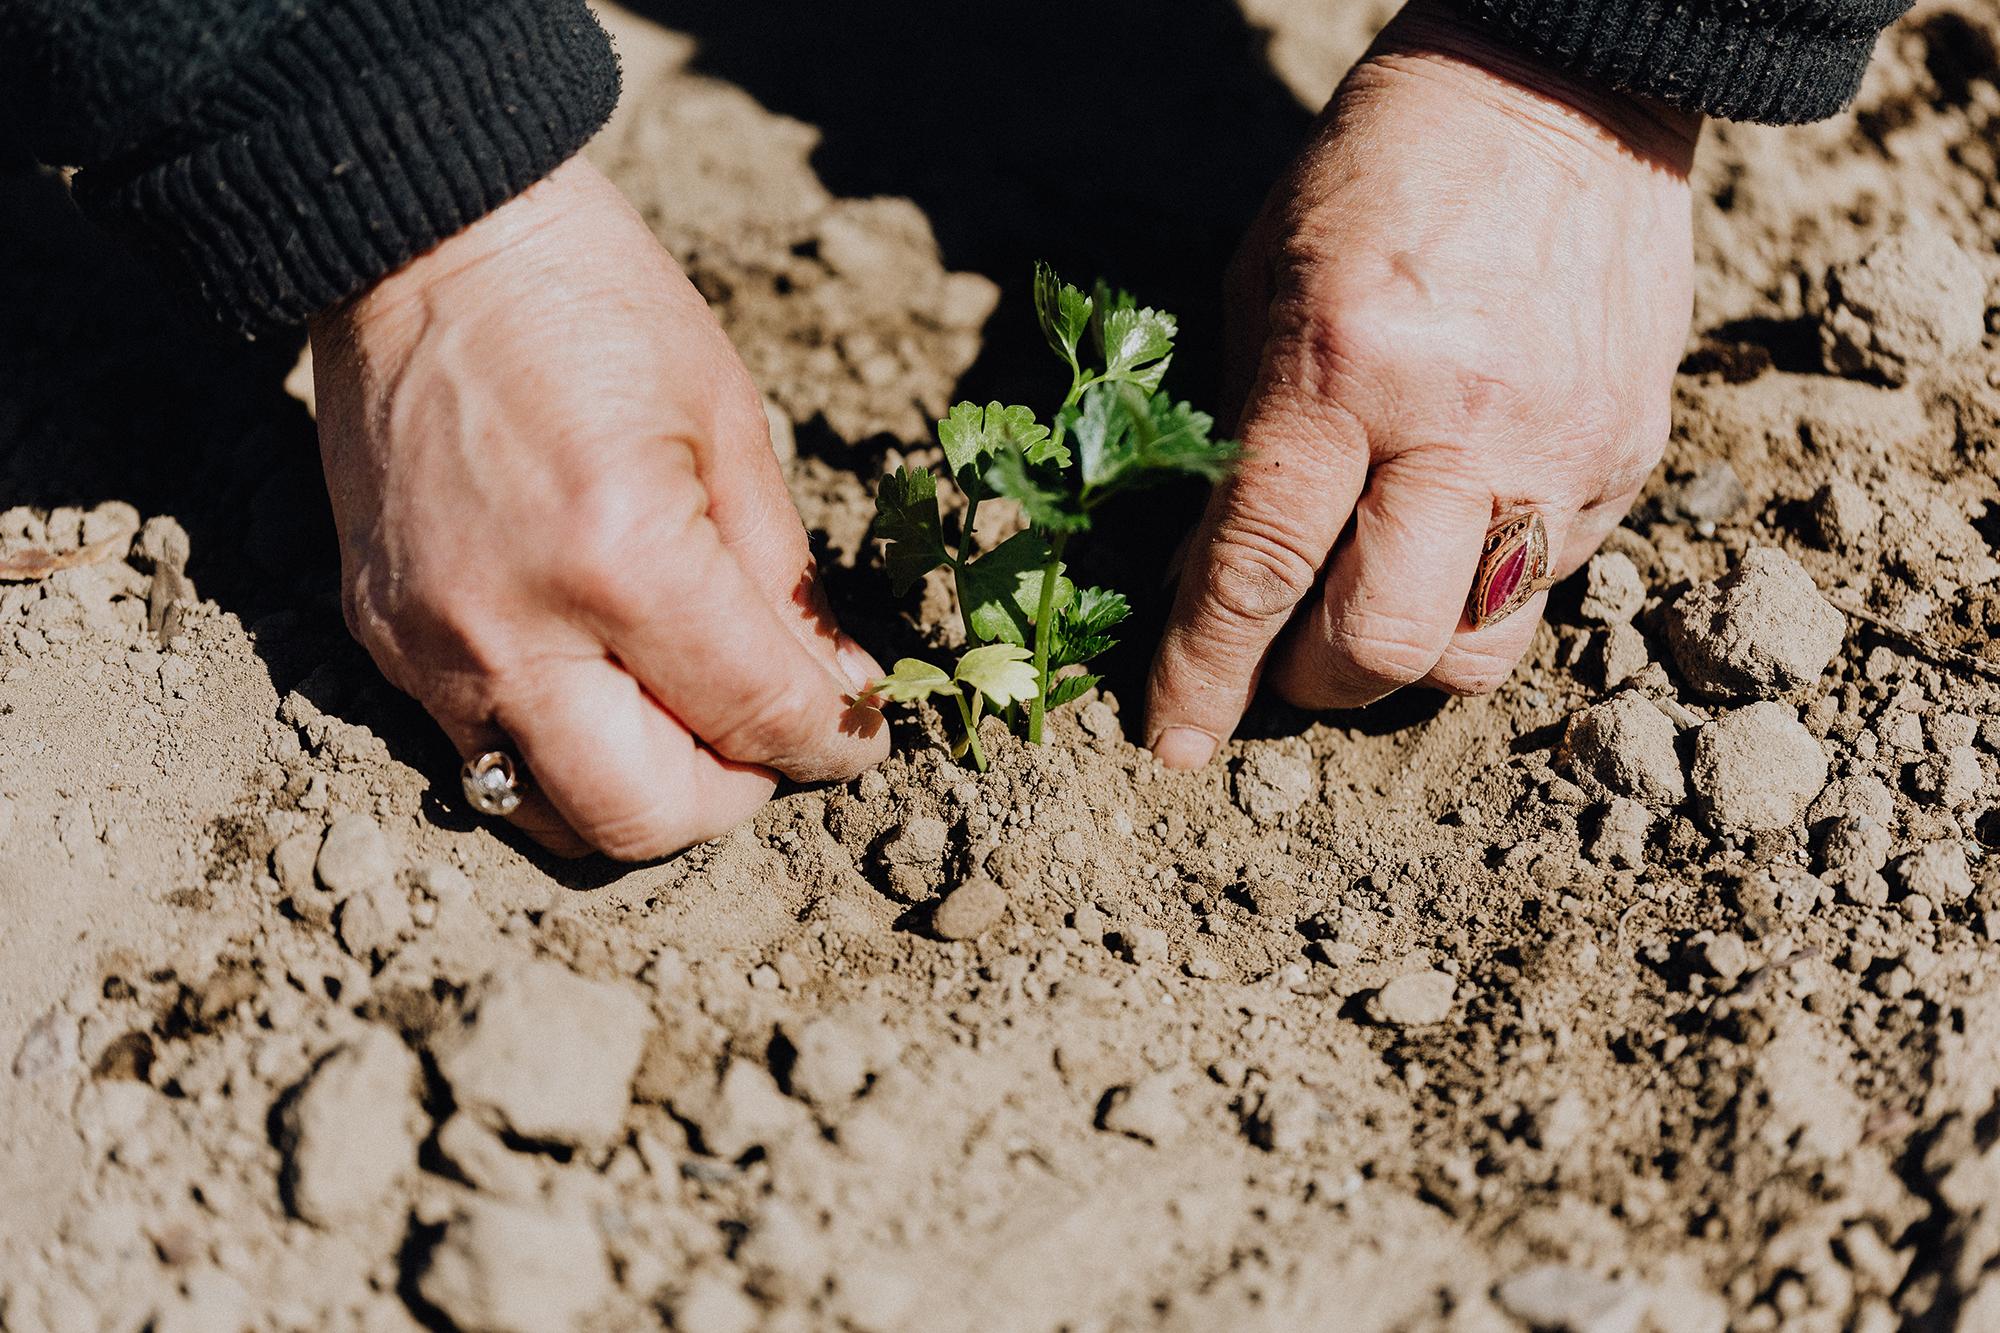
point(1952, 778)
point(1269, 783)
point(1415, 999)
point(354, 855)
point(1913, 299)
point(375, 921)
point(1621, 655)
point(1613, 591)
point(1560, 1299)
point(741, 1110)
point(1852, 854)
point(1725, 955)
point(292, 861)
point(1709, 496)
point(1143, 944)
point(970, 910)
point(1620, 837)
point(1843, 515)
point(1757, 632)
point(1624, 747)
point(351, 1131)
point(1861, 795)
point(914, 856)
point(546, 1054)
point(513, 1268)
point(1938, 871)
point(1758, 767)
point(833, 1057)
point(1147, 1110)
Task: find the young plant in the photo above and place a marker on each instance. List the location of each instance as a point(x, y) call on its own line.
point(1026, 622)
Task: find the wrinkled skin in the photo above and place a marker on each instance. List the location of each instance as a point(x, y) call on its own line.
point(1469, 296)
point(563, 530)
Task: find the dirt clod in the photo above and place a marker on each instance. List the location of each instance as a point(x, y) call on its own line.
point(1758, 767)
point(1761, 630)
point(1624, 747)
point(1912, 300)
point(352, 1129)
point(515, 1268)
point(545, 1054)
point(1415, 999)
point(970, 910)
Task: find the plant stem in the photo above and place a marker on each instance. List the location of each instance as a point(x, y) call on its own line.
point(1045, 637)
point(968, 712)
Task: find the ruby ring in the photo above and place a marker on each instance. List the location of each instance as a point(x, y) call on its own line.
point(1513, 567)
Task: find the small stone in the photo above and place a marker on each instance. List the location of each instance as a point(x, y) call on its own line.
point(913, 858)
point(355, 855)
point(1620, 837)
point(1952, 779)
point(1843, 515)
point(1725, 955)
point(1861, 795)
point(292, 862)
point(1938, 871)
point(1558, 1299)
point(546, 1054)
point(1621, 655)
point(163, 543)
point(742, 1110)
point(1562, 1123)
point(1147, 1110)
point(970, 910)
point(1914, 299)
point(1143, 944)
point(512, 1268)
point(486, 1162)
point(1613, 592)
point(350, 1132)
point(1268, 783)
point(1415, 999)
point(833, 1058)
point(374, 922)
point(444, 884)
point(1089, 923)
point(1709, 496)
point(1758, 767)
point(1286, 1119)
point(1624, 747)
point(1757, 632)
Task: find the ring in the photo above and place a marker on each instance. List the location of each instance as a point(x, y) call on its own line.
point(492, 784)
point(1513, 568)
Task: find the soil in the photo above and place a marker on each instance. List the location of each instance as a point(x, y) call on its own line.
point(1657, 991)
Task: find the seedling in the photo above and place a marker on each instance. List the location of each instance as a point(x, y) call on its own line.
point(1030, 629)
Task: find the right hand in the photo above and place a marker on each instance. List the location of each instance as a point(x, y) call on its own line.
point(563, 530)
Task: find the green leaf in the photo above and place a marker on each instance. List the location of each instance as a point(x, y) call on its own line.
point(1000, 592)
point(906, 517)
point(971, 435)
point(1102, 429)
point(1069, 689)
point(1000, 671)
point(912, 680)
point(1137, 345)
point(1046, 503)
point(1064, 312)
point(1083, 628)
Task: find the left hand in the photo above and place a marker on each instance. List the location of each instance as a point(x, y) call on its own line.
point(1469, 295)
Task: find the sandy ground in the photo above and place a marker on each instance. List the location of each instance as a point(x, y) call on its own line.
point(1658, 991)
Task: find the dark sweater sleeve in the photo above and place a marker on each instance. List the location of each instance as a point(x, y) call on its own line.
point(1781, 62)
point(277, 156)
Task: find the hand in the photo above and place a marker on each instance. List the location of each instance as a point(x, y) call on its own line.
point(564, 532)
point(1469, 295)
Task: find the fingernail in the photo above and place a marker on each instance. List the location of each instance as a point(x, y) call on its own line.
point(860, 669)
point(1184, 747)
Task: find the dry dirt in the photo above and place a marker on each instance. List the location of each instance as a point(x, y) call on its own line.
point(1659, 991)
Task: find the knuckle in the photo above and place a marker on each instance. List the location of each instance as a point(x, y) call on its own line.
point(1256, 574)
point(1386, 650)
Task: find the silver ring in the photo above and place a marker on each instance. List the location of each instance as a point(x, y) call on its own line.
point(492, 784)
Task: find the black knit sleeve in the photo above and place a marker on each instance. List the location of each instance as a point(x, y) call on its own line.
point(1776, 61)
point(279, 155)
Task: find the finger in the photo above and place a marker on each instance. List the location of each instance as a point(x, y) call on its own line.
point(1255, 556)
point(1396, 589)
point(753, 511)
point(1477, 661)
point(615, 767)
point(534, 816)
point(685, 619)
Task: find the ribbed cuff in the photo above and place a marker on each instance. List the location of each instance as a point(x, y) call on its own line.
point(349, 151)
point(1756, 60)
